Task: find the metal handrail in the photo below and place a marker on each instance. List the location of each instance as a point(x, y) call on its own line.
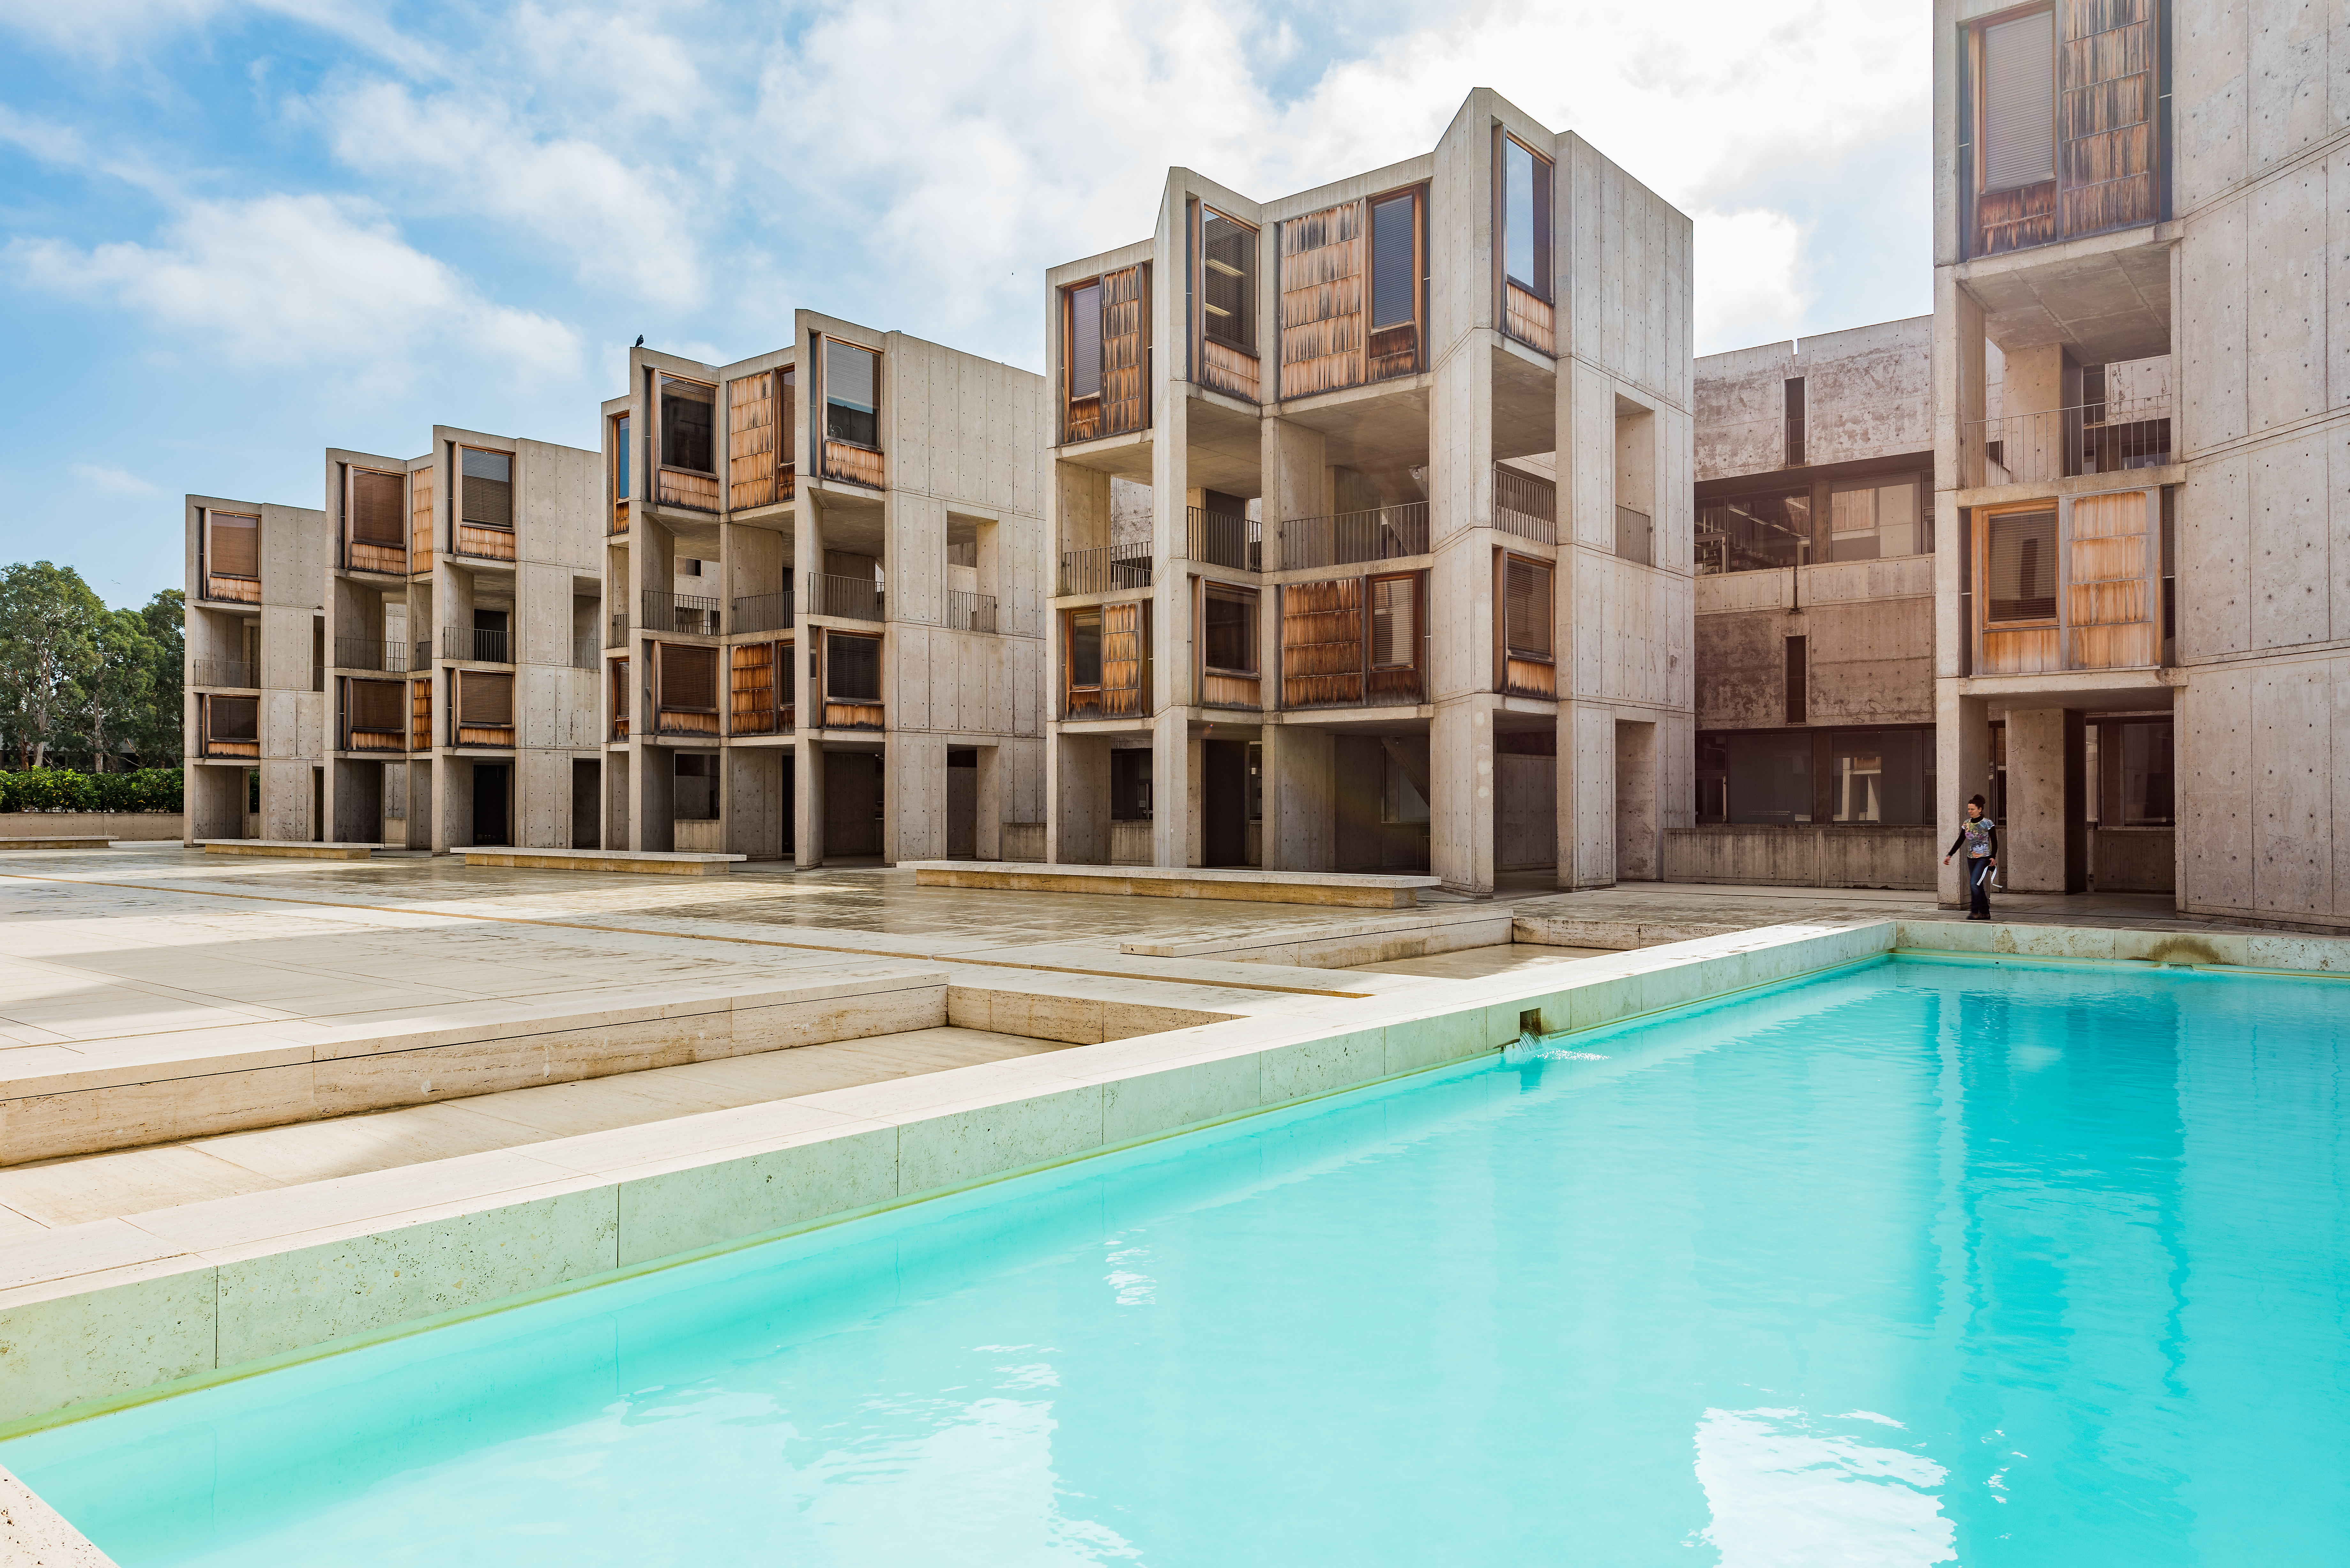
point(1105, 570)
point(850, 598)
point(368, 653)
point(231, 672)
point(686, 613)
point(421, 654)
point(1345, 538)
point(971, 612)
point(2109, 437)
point(764, 612)
point(1225, 539)
point(475, 645)
point(1525, 506)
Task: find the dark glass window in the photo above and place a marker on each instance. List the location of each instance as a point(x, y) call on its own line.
point(1754, 532)
point(2147, 798)
point(620, 482)
point(1525, 217)
point(1085, 341)
point(688, 411)
point(1232, 632)
point(696, 799)
point(2023, 560)
point(1395, 283)
point(1129, 784)
point(853, 668)
point(851, 399)
point(1882, 775)
point(1086, 649)
point(1228, 281)
point(487, 478)
point(1767, 775)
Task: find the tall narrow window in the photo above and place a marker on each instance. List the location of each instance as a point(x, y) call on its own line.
point(1799, 665)
point(1795, 422)
point(787, 418)
point(851, 394)
point(1395, 623)
point(2021, 550)
point(1527, 608)
point(486, 479)
point(1086, 649)
point(1085, 341)
point(1525, 217)
point(2019, 102)
point(1228, 280)
point(1395, 268)
point(620, 457)
point(688, 412)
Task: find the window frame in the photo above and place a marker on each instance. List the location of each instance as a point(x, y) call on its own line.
point(1542, 204)
point(1250, 281)
point(1252, 601)
point(464, 487)
point(661, 399)
point(1510, 650)
point(1986, 525)
point(832, 639)
point(1069, 650)
point(826, 343)
point(620, 472)
point(212, 554)
point(1069, 296)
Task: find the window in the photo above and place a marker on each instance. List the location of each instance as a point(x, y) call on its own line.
point(378, 501)
point(2147, 778)
point(1798, 690)
point(1526, 612)
point(1794, 391)
point(620, 457)
point(2019, 106)
point(1763, 775)
point(232, 718)
point(486, 481)
point(483, 699)
point(852, 667)
point(689, 678)
point(1525, 217)
point(1129, 784)
point(1882, 776)
point(1229, 640)
point(1873, 517)
point(1395, 623)
point(379, 705)
point(1395, 264)
point(2021, 548)
point(1401, 800)
point(695, 798)
point(236, 545)
point(1228, 280)
point(1084, 340)
point(852, 378)
point(1086, 649)
point(1754, 532)
point(687, 416)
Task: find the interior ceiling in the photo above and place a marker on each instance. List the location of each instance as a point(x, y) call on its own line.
point(1227, 449)
point(1525, 407)
point(2109, 307)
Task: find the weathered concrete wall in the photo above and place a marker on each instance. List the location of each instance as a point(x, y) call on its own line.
point(1818, 857)
point(1867, 393)
point(1868, 627)
point(133, 825)
point(2133, 859)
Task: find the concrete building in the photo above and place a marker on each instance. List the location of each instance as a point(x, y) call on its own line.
point(462, 689)
point(2141, 377)
point(255, 676)
point(1371, 522)
point(1814, 617)
point(825, 620)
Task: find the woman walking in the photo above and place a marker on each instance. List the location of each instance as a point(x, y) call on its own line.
point(1979, 837)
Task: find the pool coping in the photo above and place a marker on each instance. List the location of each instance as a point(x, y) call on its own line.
point(128, 1310)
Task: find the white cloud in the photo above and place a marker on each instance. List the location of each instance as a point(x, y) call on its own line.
point(112, 30)
point(302, 281)
point(112, 480)
point(1750, 282)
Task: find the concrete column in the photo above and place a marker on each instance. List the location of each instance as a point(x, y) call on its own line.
point(1962, 769)
point(1300, 824)
point(2044, 842)
point(989, 840)
point(1461, 806)
point(1076, 800)
point(1297, 480)
point(807, 800)
point(914, 796)
point(1171, 775)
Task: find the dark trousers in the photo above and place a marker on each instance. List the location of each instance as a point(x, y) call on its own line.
point(1979, 888)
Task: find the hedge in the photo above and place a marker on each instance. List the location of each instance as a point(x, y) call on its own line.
point(63, 789)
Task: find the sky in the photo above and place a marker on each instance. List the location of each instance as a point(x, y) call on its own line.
point(234, 235)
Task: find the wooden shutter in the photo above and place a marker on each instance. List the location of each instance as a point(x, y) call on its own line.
point(1085, 341)
point(419, 715)
point(236, 545)
point(2022, 566)
point(419, 520)
point(1527, 608)
point(379, 705)
point(484, 700)
point(751, 441)
point(2104, 120)
point(1395, 622)
point(1126, 636)
point(2019, 110)
point(688, 678)
point(376, 501)
point(486, 487)
point(752, 703)
point(1322, 301)
point(1124, 349)
point(1322, 642)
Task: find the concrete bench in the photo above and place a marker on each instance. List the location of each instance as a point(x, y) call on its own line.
point(647, 862)
point(1340, 889)
point(287, 848)
point(57, 841)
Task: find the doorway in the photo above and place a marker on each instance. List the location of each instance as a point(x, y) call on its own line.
point(1637, 855)
point(586, 803)
point(490, 804)
point(1223, 803)
point(962, 803)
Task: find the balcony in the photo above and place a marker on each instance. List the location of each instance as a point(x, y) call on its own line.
point(471, 645)
point(233, 673)
point(2110, 437)
point(762, 612)
point(971, 612)
point(1107, 570)
point(849, 599)
point(685, 613)
point(1350, 538)
point(369, 653)
point(1525, 506)
point(1222, 539)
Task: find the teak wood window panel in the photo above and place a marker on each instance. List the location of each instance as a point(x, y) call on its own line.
point(231, 726)
point(375, 715)
point(419, 714)
point(233, 556)
point(1525, 183)
point(1105, 338)
point(622, 704)
point(759, 440)
point(2017, 556)
point(849, 676)
point(485, 510)
point(1223, 302)
point(482, 712)
point(760, 688)
point(2064, 123)
point(1527, 628)
point(375, 527)
point(686, 689)
point(847, 396)
point(419, 520)
point(1106, 661)
point(1354, 291)
point(1348, 640)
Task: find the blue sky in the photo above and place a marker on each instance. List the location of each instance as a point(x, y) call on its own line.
point(231, 235)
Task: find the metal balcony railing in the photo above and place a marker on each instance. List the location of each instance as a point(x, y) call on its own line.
point(229, 672)
point(1380, 534)
point(420, 654)
point(472, 645)
point(618, 635)
point(1525, 506)
point(971, 612)
point(686, 613)
point(850, 598)
point(368, 653)
point(2108, 437)
point(1105, 570)
point(1222, 539)
point(762, 612)
point(585, 654)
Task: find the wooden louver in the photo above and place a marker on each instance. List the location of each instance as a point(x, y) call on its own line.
point(2065, 108)
point(379, 705)
point(1322, 642)
point(754, 420)
point(484, 700)
point(1350, 294)
point(419, 714)
point(419, 520)
point(377, 501)
point(1125, 659)
point(236, 545)
point(1106, 328)
point(1526, 609)
point(688, 678)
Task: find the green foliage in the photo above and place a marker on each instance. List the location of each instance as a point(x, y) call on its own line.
point(147, 789)
point(51, 789)
point(64, 789)
point(81, 682)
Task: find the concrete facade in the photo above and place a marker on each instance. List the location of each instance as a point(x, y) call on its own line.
point(254, 673)
point(1327, 598)
point(825, 623)
point(2157, 366)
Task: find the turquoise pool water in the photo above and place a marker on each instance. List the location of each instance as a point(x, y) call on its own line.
point(1921, 1263)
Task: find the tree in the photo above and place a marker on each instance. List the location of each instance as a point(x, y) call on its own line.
point(49, 625)
point(156, 733)
point(120, 687)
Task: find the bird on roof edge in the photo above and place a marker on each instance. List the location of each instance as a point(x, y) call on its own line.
point(640, 342)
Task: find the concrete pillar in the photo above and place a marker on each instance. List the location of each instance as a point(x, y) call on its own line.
point(1962, 769)
point(991, 784)
point(1461, 806)
point(914, 793)
point(1296, 470)
point(2043, 844)
point(1076, 800)
point(1638, 850)
point(1300, 824)
point(807, 796)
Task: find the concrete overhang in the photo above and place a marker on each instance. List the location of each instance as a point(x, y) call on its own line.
point(1226, 451)
point(1120, 456)
point(2107, 298)
point(2084, 690)
point(1397, 719)
point(2127, 479)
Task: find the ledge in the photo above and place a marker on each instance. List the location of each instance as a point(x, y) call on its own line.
point(60, 841)
point(287, 848)
point(1242, 884)
point(649, 862)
